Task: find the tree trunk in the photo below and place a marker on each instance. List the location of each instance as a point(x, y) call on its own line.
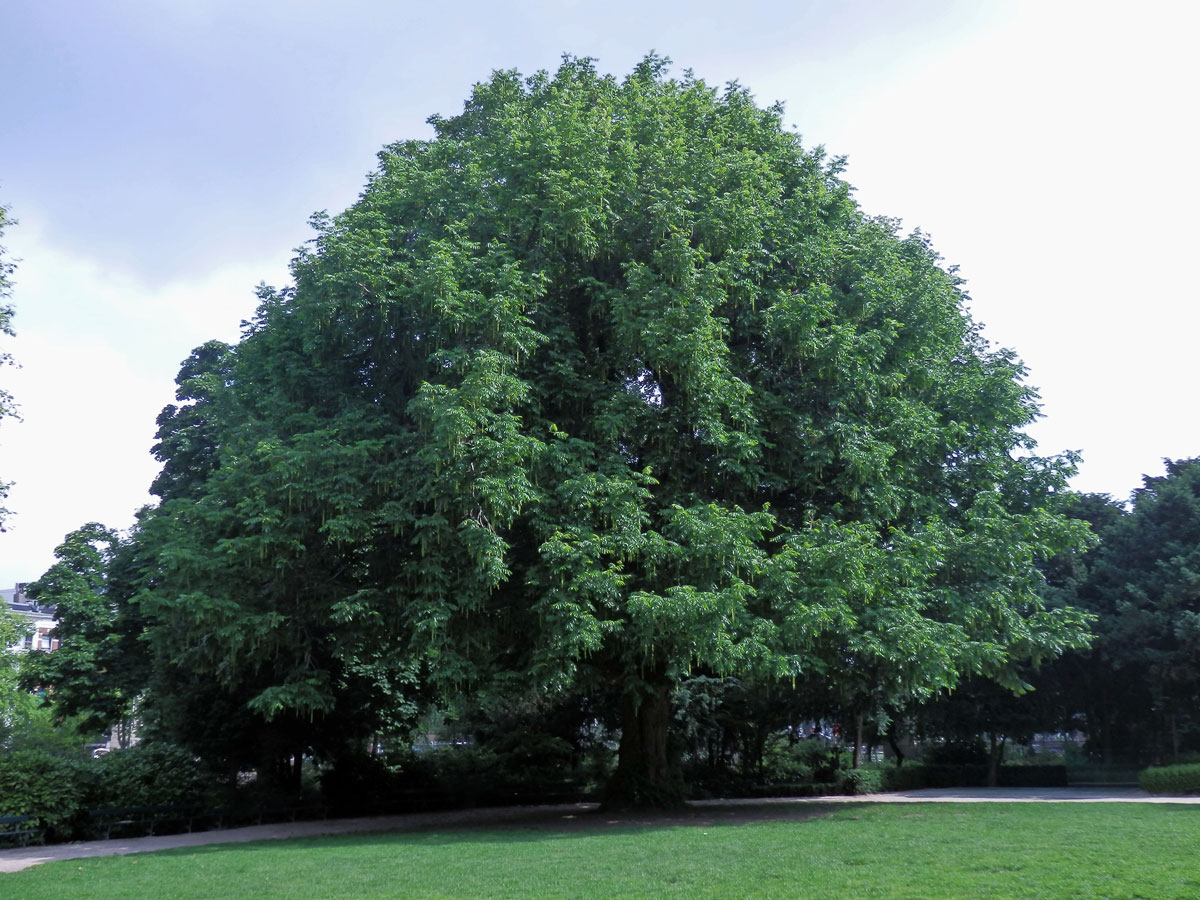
point(645, 776)
point(892, 742)
point(1108, 744)
point(858, 739)
point(995, 756)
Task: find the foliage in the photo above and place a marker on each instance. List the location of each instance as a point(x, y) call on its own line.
point(1139, 685)
point(930, 851)
point(957, 753)
point(1181, 779)
point(979, 709)
point(151, 774)
point(863, 780)
point(15, 703)
point(609, 384)
point(37, 727)
point(48, 788)
point(520, 769)
point(24, 723)
point(98, 670)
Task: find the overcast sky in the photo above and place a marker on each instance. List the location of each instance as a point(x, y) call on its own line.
point(163, 156)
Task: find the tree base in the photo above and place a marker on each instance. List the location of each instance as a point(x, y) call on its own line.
point(625, 792)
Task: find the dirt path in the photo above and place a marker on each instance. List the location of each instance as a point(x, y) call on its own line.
point(579, 815)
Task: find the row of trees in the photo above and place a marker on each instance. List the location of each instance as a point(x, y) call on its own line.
point(607, 387)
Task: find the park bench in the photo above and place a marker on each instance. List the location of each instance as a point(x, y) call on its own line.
point(129, 820)
point(125, 821)
point(16, 828)
point(231, 817)
point(144, 819)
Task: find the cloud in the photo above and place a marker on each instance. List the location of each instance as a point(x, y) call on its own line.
point(82, 452)
point(98, 353)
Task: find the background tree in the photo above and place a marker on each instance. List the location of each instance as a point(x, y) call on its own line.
point(290, 680)
point(15, 703)
point(611, 382)
point(1139, 686)
point(98, 671)
point(1089, 694)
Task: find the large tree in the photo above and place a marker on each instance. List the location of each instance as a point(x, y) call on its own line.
point(607, 383)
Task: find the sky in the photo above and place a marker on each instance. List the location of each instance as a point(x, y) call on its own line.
point(162, 157)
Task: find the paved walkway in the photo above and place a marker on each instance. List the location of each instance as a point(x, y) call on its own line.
point(558, 816)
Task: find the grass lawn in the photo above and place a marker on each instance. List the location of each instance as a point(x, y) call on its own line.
point(920, 851)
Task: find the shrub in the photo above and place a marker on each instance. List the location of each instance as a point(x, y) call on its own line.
point(151, 774)
point(911, 777)
point(785, 762)
point(47, 788)
point(815, 760)
point(525, 768)
point(867, 780)
point(1184, 779)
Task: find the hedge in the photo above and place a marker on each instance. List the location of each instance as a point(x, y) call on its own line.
point(1171, 779)
point(50, 790)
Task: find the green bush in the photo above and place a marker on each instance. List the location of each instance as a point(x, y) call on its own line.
point(867, 780)
point(519, 768)
point(50, 790)
point(1184, 779)
point(788, 762)
point(910, 777)
point(784, 762)
point(526, 768)
point(150, 774)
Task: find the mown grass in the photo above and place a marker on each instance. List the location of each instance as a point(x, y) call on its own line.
point(920, 851)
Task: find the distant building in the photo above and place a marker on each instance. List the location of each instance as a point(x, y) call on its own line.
point(40, 618)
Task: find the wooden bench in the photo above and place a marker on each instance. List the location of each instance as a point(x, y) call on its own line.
point(144, 819)
point(232, 817)
point(16, 828)
point(129, 820)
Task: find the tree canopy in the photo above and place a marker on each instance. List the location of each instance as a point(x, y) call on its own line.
point(609, 383)
point(98, 670)
point(1138, 686)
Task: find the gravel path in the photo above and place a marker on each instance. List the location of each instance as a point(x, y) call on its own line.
point(578, 815)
